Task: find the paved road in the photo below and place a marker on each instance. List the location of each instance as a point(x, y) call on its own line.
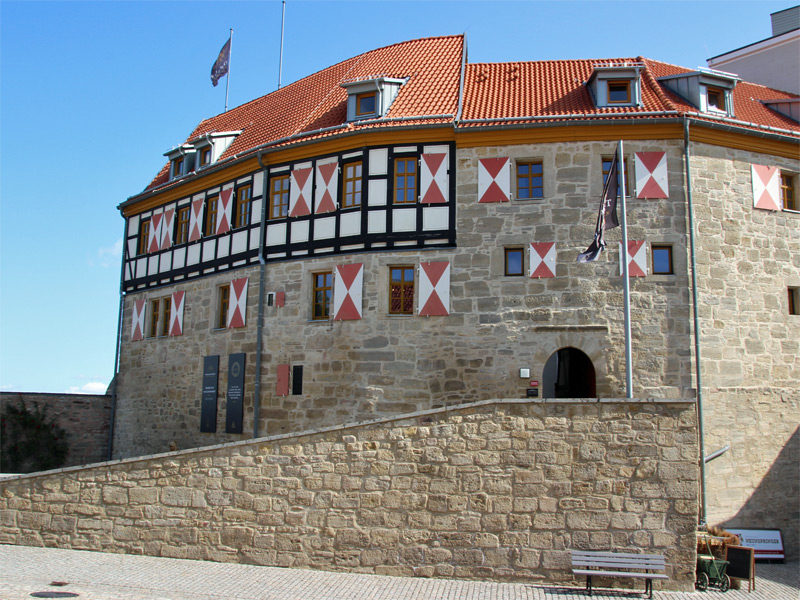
point(27, 571)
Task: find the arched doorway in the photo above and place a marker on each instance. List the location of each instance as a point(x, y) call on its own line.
point(568, 373)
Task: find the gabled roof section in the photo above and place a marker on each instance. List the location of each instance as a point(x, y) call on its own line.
point(432, 67)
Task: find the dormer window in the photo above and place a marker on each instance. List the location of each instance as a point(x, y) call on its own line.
point(203, 157)
point(371, 98)
point(199, 153)
point(715, 98)
point(177, 167)
point(615, 85)
point(708, 90)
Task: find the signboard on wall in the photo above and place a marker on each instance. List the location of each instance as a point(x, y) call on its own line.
point(767, 543)
point(208, 405)
point(234, 412)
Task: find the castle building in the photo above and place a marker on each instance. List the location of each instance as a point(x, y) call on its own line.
point(399, 232)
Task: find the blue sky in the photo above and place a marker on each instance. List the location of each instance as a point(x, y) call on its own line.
point(93, 93)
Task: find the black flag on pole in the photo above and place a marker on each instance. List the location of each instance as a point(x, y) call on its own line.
point(220, 68)
point(606, 217)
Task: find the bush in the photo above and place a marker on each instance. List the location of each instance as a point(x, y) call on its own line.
point(29, 440)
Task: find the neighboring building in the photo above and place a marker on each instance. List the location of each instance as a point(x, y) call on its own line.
point(399, 232)
point(775, 61)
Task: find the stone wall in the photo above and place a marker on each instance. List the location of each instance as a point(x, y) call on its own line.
point(496, 490)
point(85, 418)
point(746, 260)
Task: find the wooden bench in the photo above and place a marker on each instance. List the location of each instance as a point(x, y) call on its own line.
point(618, 564)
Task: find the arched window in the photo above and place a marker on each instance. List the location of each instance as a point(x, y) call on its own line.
point(568, 373)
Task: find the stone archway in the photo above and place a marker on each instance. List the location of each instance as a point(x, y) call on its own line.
point(568, 373)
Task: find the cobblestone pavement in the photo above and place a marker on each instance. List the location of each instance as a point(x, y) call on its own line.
point(25, 571)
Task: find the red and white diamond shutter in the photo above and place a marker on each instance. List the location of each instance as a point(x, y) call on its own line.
point(327, 185)
point(434, 289)
point(300, 193)
point(176, 314)
point(196, 220)
point(542, 259)
point(766, 187)
point(651, 175)
point(237, 308)
point(166, 228)
point(154, 235)
point(433, 179)
point(494, 179)
point(637, 258)
point(137, 322)
point(347, 292)
point(224, 209)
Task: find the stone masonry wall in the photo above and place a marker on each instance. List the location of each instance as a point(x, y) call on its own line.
point(384, 365)
point(85, 418)
point(496, 490)
point(746, 260)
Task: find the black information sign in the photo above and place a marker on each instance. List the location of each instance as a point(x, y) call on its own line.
point(208, 408)
point(234, 413)
point(742, 564)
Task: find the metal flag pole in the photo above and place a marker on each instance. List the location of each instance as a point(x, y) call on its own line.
point(280, 60)
point(228, 78)
point(626, 280)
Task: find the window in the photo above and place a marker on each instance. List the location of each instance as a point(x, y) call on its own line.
point(405, 180)
point(166, 310)
point(323, 286)
point(144, 236)
point(715, 98)
point(787, 191)
point(204, 156)
point(662, 260)
point(401, 290)
point(366, 104)
point(160, 311)
point(514, 261)
point(244, 195)
point(794, 301)
point(279, 197)
point(223, 300)
point(211, 215)
point(297, 380)
point(607, 165)
point(154, 315)
point(619, 91)
point(177, 167)
point(182, 231)
point(351, 185)
point(529, 180)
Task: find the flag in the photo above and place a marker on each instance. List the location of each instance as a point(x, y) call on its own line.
point(220, 68)
point(606, 217)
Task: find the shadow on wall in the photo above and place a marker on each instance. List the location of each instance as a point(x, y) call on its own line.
point(774, 503)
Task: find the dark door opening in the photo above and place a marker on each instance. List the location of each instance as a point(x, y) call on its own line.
point(568, 373)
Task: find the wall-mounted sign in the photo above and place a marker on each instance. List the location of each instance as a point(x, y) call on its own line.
point(534, 383)
point(766, 542)
point(208, 405)
point(234, 412)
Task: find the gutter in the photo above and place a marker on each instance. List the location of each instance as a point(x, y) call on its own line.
point(262, 271)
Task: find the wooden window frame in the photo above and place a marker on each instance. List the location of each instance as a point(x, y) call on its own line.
point(223, 303)
point(212, 206)
point(202, 153)
point(166, 314)
point(364, 96)
point(352, 199)
point(280, 194)
point(244, 204)
point(152, 330)
point(320, 284)
point(654, 248)
point(788, 191)
point(405, 188)
point(406, 299)
point(619, 82)
point(144, 236)
point(506, 253)
point(176, 167)
point(529, 187)
point(718, 92)
point(182, 225)
point(607, 160)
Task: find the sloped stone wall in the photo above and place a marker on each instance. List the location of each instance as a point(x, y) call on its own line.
point(496, 490)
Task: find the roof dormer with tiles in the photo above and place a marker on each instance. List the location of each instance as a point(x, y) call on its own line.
point(616, 85)
point(708, 90)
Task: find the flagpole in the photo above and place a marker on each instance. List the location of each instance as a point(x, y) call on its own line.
point(228, 78)
point(280, 60)
point(625, 278)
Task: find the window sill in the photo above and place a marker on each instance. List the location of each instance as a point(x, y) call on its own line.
point(791, 210)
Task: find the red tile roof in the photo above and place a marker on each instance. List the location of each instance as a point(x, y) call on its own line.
point(432, 66)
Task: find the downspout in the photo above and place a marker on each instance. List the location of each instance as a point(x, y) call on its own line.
point(695, 310)
point(118, 343)
point(261, 293)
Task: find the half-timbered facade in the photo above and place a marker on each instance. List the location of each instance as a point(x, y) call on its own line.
point(399, 232)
